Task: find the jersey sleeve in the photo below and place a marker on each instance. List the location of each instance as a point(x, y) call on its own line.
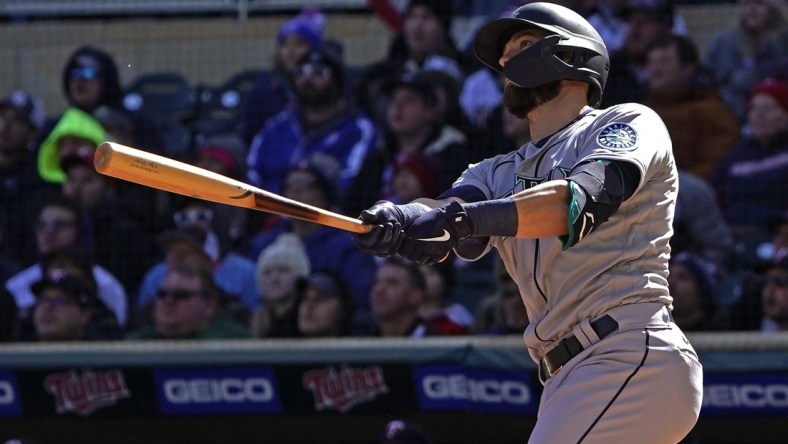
point(630, 133)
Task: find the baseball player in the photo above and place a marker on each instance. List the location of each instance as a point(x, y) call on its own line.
point(582, 217)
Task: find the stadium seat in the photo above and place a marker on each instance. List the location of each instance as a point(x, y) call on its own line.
point(161, 94)
point(220, 108)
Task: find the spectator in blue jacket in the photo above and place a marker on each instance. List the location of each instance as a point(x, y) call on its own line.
point(321, 123)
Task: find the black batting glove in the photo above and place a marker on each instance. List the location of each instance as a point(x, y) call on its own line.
point(386, 236)
point(431, 236)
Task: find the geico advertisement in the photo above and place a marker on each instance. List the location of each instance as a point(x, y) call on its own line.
point(737, 394)
point(216, 390)
point(9, 395)
point(454, 387)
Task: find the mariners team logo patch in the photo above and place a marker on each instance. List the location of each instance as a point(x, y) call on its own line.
point(617, 136)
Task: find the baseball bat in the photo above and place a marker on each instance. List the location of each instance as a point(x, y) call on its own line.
point(144, 168)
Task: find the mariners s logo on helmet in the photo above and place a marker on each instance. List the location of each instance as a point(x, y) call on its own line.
point(617, 136)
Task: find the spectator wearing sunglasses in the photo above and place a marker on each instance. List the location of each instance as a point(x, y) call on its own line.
point(90, 81)
point(188, 306)
point(322, 122)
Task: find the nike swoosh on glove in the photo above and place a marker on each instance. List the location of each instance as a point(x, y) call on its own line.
point(386, 236)
point(430, 237)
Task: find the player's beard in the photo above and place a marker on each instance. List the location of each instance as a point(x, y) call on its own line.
point(521, 101)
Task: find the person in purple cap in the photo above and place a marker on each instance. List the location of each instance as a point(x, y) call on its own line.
point(272, 94)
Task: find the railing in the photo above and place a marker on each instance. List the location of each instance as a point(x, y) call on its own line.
point(241, 8)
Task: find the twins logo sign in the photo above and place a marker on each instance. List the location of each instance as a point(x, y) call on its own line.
point(86, 392)
point(344, 388)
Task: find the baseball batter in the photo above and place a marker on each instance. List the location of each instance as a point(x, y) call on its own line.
point(582, 219)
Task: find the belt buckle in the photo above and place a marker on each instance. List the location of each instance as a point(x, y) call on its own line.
point(545, 372)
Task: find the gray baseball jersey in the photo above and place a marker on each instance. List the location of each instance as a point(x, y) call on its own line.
point(625, 260)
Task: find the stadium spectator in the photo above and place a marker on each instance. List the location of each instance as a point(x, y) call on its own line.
point(21, 119)
point(752, 179)
point(224, 154)
point(196, 233)
point(148, 206)
point(611, 19)
point(313, 182)
point(273, 93)
point(440, 315)
point(397, 296)
point(423, 41)
point(694, 284)
point(411, 178)
point(75, 133)
point(326, 306)
point(58, 224)
point(502, 312)
point(188, 306)
point(90, 81)
point(681, 91)
point(279, 268)
point(110, 225)
point(774, 295)
point(322, 122)
point(71, 267)
point(747, 313)
point(749, 51)
point(414, 127)
point(626, 80)
point(64, 311)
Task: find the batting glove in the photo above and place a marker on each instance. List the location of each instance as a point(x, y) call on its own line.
point(431, 236)
point(388, 219)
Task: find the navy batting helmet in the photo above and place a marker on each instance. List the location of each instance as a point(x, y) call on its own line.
point(542, 63)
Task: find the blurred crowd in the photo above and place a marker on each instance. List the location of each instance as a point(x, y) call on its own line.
point(84, 256)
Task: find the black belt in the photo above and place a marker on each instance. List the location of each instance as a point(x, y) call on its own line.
point(569, 347)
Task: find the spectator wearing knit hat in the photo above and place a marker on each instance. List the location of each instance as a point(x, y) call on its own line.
point(21, 119)
point(273, 93)
point(279, 268)
point(752, 179)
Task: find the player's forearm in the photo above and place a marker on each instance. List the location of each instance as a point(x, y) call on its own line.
point(542, 210)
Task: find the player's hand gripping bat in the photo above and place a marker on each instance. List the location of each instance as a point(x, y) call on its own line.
point(170, 175)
